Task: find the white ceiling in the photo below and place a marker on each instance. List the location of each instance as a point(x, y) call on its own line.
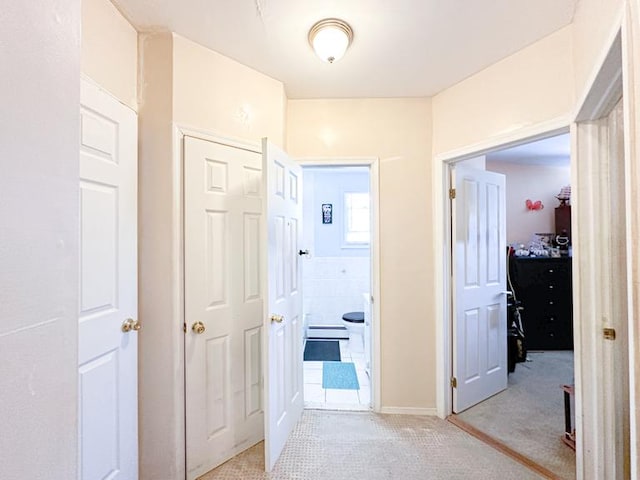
point(401, 48)
point(552, 151)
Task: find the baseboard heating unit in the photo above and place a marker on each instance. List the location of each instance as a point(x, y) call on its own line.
point(327, 331)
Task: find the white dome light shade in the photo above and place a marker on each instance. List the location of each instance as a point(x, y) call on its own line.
point(330, 39)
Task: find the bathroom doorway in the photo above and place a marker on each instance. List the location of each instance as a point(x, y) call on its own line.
point(339, 225)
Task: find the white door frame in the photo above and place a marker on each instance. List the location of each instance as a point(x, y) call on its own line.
point(631, 89)
point(588, 416)
point(597, 307)
point(443, 163)
point(374, 181)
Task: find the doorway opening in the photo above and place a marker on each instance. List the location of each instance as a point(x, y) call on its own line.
point(337, 271)
point(529, 415)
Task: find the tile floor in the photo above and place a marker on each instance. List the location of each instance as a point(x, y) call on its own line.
point(337, 399)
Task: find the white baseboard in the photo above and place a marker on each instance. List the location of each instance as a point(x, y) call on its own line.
point(327, 331)
point(430, 412)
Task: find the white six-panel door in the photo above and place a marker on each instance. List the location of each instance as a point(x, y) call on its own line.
point(284, 373)
point(480, 327)
point(223, 302)
point(108, 403)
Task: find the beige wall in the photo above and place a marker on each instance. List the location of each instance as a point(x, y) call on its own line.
point(217, 94)
point(398, 132)
point(534, 182)
point(594, 25)
point(180, 82)
point(532, 86)
point(110, 50)
point(160, 361)
point(39, 192)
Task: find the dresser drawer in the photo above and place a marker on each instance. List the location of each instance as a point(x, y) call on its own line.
point(543, 285)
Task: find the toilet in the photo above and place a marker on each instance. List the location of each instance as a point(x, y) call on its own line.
point(354, 322)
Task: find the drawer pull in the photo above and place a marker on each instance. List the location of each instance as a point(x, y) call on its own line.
point(550, 302)
point(551, 270)
point(550, 287)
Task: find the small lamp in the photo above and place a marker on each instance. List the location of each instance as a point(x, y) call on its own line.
point(330, 39)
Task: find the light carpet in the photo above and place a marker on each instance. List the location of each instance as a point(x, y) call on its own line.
point(330, 445)
point(529, 415)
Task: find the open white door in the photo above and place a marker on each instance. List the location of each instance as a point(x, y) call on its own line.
point(479, 271)
point(108, 309)
point(223, 302)
point(283, 310)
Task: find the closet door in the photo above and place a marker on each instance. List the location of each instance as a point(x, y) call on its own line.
point(223, 302)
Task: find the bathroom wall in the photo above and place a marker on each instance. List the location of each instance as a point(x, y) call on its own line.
point(334, 275)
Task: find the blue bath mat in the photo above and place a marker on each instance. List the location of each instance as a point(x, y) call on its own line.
point(341, 375)
point(322, 350)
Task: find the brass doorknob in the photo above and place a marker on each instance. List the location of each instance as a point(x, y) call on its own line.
point(277, 318)
point(198, 327)
point(130, 324)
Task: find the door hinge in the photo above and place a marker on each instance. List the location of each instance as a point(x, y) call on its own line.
point(454, 382)
point(452, 193)
point(609, 333)
point(371, 298)
point(184, 327)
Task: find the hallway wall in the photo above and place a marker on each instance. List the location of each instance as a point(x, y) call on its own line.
point(185, 83)
point(39, 192)
point(594, 26)
point(532, 86)
point(110, 50)
point(398, 131)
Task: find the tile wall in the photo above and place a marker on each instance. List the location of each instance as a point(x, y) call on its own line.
point(333, 286)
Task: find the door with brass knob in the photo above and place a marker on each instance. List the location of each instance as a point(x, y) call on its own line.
point(283, 371)
point(224, 311)
point(277, 318)
point(198, 327)
point(131, 324)
point(107, 288)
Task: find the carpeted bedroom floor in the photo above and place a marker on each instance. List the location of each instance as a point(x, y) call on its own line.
point(529, 415)
point(331, 445)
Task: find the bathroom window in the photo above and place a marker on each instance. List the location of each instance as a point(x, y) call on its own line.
point(357, 219)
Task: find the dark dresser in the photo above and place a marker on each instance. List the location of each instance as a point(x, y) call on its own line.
point(543, 285)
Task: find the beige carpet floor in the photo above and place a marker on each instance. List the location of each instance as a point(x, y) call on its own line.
point(331, 445)
point(529, 415)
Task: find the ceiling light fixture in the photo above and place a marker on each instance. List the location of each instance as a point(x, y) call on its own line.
point(330, 38)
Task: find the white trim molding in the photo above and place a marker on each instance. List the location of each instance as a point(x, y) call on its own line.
point(631, 89)
point(425, 412)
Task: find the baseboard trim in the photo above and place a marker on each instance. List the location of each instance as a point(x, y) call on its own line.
point(428, 412)
point(503, 448)
point(327, 332)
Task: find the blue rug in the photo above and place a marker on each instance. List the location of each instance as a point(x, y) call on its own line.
point(340, 375)
point(322, 350)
